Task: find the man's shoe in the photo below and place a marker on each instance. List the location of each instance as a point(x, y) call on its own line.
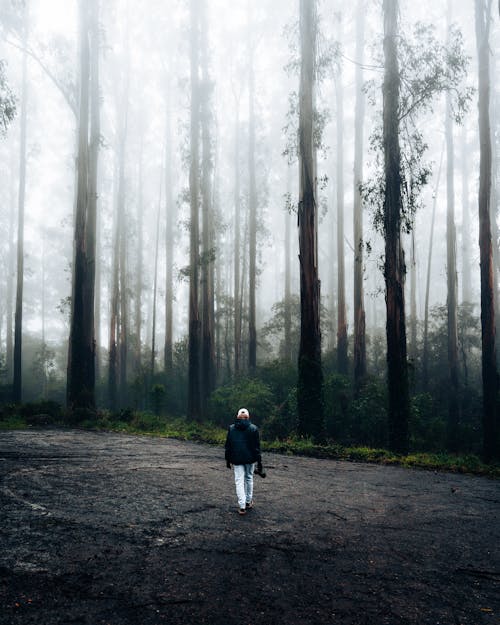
point(249, 505)
point(242, 511)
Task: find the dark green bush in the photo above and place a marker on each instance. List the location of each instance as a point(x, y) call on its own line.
point(283, 421)
point(247, 393)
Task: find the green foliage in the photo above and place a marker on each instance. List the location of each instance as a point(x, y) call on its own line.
point(249, 393)
point(7, 101)
point(427, 69)
point(283, 421)
point(158, 396)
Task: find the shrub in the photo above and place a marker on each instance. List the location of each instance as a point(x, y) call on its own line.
point(283, 421)
point(250, 393)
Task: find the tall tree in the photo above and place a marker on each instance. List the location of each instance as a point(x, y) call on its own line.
point(18, 319)
point(342, 361)
point(466, 238)
point(359, 114)
point(310, 378)
point(194, 386)
point(207, 340)
point(394, 266)
point(237, 238)
point(81, 355)
point(170, 214)
point(288, 291)
point(491, 446)
point(10, 277)
point(451, 275)
point(252, 208)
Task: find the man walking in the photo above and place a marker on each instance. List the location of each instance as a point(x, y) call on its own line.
point(242, 452)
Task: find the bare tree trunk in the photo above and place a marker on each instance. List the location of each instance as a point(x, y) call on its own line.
point(452, 286)
point(115, 299)
point(466, 239)
point(342, 359)
point(194, 317)
point(237, 251)
point(413, 296)
point(18, 320)
point(81, 357)
point(397, 368)
point(139, 270)
point(288, 293)
point(359, 115)
point(207, 342)
point(155, 289)
point(495, 234)
point(310, 380)
point(491, 446)
point(425, 356)
point(169, 245)
point(252, 209)
point(10, 280)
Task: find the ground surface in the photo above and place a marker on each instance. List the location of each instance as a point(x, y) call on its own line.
point(102, 528)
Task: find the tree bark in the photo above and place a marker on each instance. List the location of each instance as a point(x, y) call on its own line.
point(342, 359)
point(18, 319)
point(451, 275)
point(237, 250)
point(207, 342)
point(413, 296)
point(139, 270)
point(115, 299)
point(310, 378)
point(81, 357)
point(397, 368)
point(252, 209)
point(466, 225)
point(10, 280)
point(491, 447)
point(359, 115)
point(288, 290)
point(194, 317)
point(425, 354)
point(171, 217)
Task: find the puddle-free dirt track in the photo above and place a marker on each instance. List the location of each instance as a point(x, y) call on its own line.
point(100, 528)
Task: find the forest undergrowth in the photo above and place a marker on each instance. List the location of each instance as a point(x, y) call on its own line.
point(50, 414)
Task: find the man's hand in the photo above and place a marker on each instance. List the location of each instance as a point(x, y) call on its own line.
point(228, 464)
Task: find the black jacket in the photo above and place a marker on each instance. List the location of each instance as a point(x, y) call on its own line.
point(243, 443)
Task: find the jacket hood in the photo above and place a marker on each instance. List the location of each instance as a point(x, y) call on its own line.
point(242, 424)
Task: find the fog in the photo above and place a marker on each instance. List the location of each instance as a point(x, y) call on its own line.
point(145, 100)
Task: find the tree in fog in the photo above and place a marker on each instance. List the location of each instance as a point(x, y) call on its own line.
point(359, 309)
point(310, 378)
point(18, 319)
point(194, 385)
point(394, 267)
point(491, 447)
point(81, 355)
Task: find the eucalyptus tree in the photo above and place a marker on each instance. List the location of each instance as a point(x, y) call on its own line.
point(252, 205)
point(416, 69)
point(81, 352)
point(18, 317)
point(359, 114)
point(194, 386)
point(342, 359)
point(491, 444)
point(310, 376)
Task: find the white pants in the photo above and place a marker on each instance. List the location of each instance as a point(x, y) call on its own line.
point(243, 478)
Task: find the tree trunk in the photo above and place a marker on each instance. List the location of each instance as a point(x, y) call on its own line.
point(237, 251)
point(194, 317)
point(466, 225)
point(397, 368)
point(155, 289)
point(413, 296)
point(252, 211)
point(139, 270)
point(310, 379)
point(425, 355)
point(207, 342)
point(115, 299)
point(81, 357)
point(10, 279)
point(342, 359)
point(18, 320)
point(359, 115)
point(452, 287)
point(491, 446)
point(288, 290)
point(169, 245)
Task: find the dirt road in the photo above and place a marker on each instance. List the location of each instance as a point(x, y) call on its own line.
point(112, 529)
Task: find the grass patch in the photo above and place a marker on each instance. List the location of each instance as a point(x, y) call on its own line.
point(148, 424)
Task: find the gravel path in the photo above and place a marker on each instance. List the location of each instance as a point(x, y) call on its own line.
point(100, 528)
